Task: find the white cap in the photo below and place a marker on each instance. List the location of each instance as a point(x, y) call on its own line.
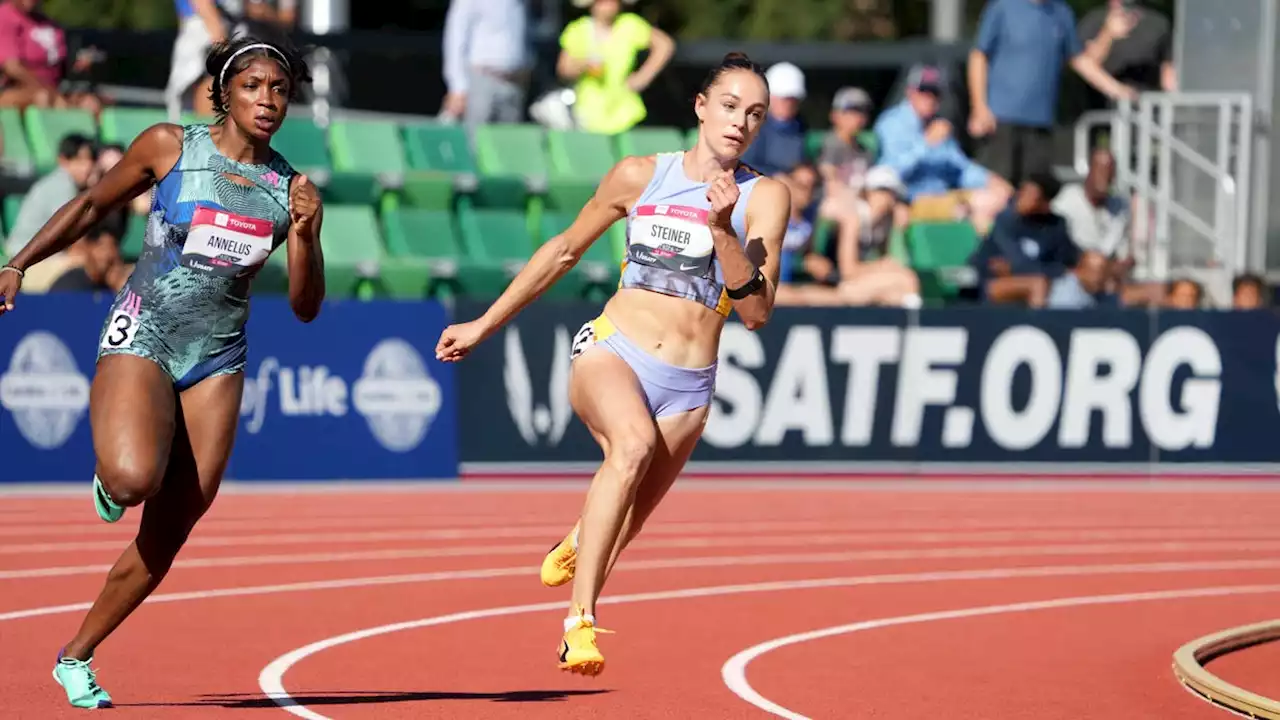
point(785, 80)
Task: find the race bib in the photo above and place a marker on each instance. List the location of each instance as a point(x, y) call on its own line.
point(672, 237)
point(224, 243)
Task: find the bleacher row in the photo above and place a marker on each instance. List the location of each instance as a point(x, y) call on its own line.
point(416, 210)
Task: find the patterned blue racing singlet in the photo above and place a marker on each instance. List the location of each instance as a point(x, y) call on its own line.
point(186, 304)
point(669, 248)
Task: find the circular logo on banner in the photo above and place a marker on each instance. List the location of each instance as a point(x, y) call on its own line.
point(396, 395)
point(44, 390)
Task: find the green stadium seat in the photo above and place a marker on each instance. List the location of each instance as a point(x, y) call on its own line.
point(512, 150)
point(123, 124)
point(580, 155)
point(940, 253)
point(442, 148)
point(569, 194)
point(869, 140)
point(813, 144)
point(12, 204)
point(303, 144)
point(368, 158)
point(353, 248)
point(17, 158)
point(649, 141)
point(46, 127)
point(496, 239)
point(428, 238)
point(690, 138)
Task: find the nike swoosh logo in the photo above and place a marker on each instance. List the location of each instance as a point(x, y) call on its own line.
point(688, 267)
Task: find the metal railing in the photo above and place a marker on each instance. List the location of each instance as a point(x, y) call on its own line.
point(1155, 133)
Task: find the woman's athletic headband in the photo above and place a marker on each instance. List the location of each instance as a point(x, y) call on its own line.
point(222, 76)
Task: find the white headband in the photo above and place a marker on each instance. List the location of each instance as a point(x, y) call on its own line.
point(222, 77)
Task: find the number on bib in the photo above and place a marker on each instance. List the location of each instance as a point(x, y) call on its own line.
point(120, 331)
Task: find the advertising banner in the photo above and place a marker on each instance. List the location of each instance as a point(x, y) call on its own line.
point(946, 388)
point(355, 394)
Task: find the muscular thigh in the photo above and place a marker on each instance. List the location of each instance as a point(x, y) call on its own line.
point(131, 412)
point(606, 394)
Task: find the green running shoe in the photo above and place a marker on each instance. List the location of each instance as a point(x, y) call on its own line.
point(107, 509)
point(81, 683)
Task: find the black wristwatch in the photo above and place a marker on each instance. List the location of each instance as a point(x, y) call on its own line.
point(755, 283)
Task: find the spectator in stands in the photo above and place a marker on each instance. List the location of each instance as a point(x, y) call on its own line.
point(780, 146)
point(277, 15)
point(486, 61)
point(1099, 218)
point(809, 277)
point(1083, 286)
point(108, 155)
point(862, 210)
point(1014, 75)
point(92, 264)
point(598, 54)
point(1249, 292)
point(1028, 248)
point(1183, 294)
point(201, 24)
point(941, 182)
point(33, 56)
point(1133, 43)
point(76, 162)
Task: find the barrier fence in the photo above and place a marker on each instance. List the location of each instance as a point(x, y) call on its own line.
point(358, 394)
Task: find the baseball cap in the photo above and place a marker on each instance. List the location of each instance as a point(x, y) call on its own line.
point(785, 80)
point(925, 78)
point(851, 98)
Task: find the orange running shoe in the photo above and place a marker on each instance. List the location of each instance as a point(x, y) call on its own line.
point(578, 651)
point(559, 564)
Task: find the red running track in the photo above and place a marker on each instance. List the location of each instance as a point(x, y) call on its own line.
point(957, 603)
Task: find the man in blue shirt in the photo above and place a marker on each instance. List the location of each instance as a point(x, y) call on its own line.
point(918, 144)
point(1029, 247)
point(1014, 74)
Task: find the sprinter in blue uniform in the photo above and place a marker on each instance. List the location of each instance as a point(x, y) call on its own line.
point(166, 396)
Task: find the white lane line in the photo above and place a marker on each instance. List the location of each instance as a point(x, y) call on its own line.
point(271, 679)
point(734, 671)
point(558, 531)
point(883, 554)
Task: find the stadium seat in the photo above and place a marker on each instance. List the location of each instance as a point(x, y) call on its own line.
point(17, 158)
point(426, 238)
point(438, 147)
point(649, 141)
point(303, 144)
point(690, 138)
point(940, 256)
point(123, 124)
point(368, 158)
point(353, 248)
point(579, 160)
point(12, 204)
point(580, 155)
point(46, 127)
point(497, 239)
point(511, 149)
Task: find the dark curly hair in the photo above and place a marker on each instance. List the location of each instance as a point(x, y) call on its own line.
point(234, 52)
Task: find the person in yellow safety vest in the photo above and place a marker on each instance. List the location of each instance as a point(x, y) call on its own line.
point(598, 53)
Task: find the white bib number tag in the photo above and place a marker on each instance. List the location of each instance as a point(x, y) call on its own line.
point(672, 237)
point(120, 331)
point(224, 243)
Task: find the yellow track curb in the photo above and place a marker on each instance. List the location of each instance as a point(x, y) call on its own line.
point(1189, 660)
